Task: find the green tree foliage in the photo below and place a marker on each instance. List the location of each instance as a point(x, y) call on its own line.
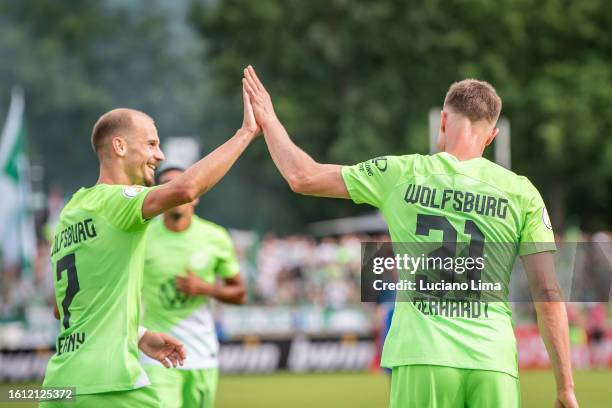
point(354, 79)
point(77, 60)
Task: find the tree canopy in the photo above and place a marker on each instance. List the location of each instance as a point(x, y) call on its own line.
point(354, 79)
point(350, 80)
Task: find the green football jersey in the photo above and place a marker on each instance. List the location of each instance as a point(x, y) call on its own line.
point(207, 250)
point(439, 199)
point(97, 262)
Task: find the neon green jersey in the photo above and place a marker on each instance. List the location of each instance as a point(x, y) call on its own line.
point(97, 262)
point(439, 199)
point(207, 250)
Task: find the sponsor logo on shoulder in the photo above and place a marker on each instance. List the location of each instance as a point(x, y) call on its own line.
point(132, 191)
point(380, 163)
point(546, 219)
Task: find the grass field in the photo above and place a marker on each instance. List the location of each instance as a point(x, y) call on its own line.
point(594, 390)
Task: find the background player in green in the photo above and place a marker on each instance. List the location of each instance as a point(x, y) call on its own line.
point(184, 255)
point(438, 360)
point(98, 257)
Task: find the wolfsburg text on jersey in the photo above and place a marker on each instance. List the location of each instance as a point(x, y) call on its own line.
point(74, 234)
point(463, 201)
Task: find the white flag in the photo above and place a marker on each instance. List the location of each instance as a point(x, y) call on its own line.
point(17, 233)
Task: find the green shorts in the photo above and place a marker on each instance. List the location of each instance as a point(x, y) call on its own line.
point(141, 397)
point(184, 388)
point(431, 386)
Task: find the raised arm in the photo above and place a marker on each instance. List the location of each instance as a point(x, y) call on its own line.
point(304, 175)
point(552, 322)
point(204, 174)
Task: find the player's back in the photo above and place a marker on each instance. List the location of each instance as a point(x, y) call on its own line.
point(472, 209)
point(97, 262)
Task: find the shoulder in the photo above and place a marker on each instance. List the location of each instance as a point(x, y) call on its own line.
point(530, 194)
point(87, 198)
point(382, 165)
point(506, 179)
point(117, 190)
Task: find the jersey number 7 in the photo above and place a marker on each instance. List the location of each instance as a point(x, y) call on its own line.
point(68, 264)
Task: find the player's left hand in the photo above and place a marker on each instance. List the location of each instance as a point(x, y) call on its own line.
point(248, 118)
point(193, 285)
point(163, 348)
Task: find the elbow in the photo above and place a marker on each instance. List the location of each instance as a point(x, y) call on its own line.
point(185, 193)
point(298, 183)
point(242, 297)
point(296, 186)
point(549, 294)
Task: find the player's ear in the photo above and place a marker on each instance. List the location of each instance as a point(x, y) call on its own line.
point(119, 146)
point(443, 118)
point(441, 142)
point(491, 136)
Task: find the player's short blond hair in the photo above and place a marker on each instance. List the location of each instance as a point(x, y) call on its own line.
point(116, 121)
point(476, 100)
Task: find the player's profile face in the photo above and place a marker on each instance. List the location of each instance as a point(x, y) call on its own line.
point(145, 154)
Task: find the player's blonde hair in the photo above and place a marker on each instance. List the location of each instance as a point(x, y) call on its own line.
point(116, 121)
point(476, 100)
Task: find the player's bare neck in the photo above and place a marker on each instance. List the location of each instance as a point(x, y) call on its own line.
point(113, 175)
point(464, 155)
point(464, 145)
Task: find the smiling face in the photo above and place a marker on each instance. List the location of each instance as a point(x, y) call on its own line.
point(127, 146)
point(143, 154)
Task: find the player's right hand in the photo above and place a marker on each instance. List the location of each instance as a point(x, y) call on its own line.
point(259, 98)
point(163, 348)
point(566, 399)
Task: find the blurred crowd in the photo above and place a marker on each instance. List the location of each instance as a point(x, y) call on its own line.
point(301, 270)
point(298, 270)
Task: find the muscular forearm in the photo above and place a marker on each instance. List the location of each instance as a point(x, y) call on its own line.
point(304, 175)
point(293, 163)
point(199, 178)
point(203, 175)
point(553, 325)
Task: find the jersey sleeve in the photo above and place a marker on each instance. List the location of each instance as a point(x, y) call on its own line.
point(122, 206)
point(228, 265)
point(370, 182)
point(537, 233)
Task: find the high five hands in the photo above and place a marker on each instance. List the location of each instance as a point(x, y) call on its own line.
point(258, 98)
point(248, 118)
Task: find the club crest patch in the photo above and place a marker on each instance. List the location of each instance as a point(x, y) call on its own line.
point(198, 260)
point(132, 191)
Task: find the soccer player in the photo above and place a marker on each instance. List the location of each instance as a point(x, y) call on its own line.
point(184, 255)
point(98, 258)
point(439, 359)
